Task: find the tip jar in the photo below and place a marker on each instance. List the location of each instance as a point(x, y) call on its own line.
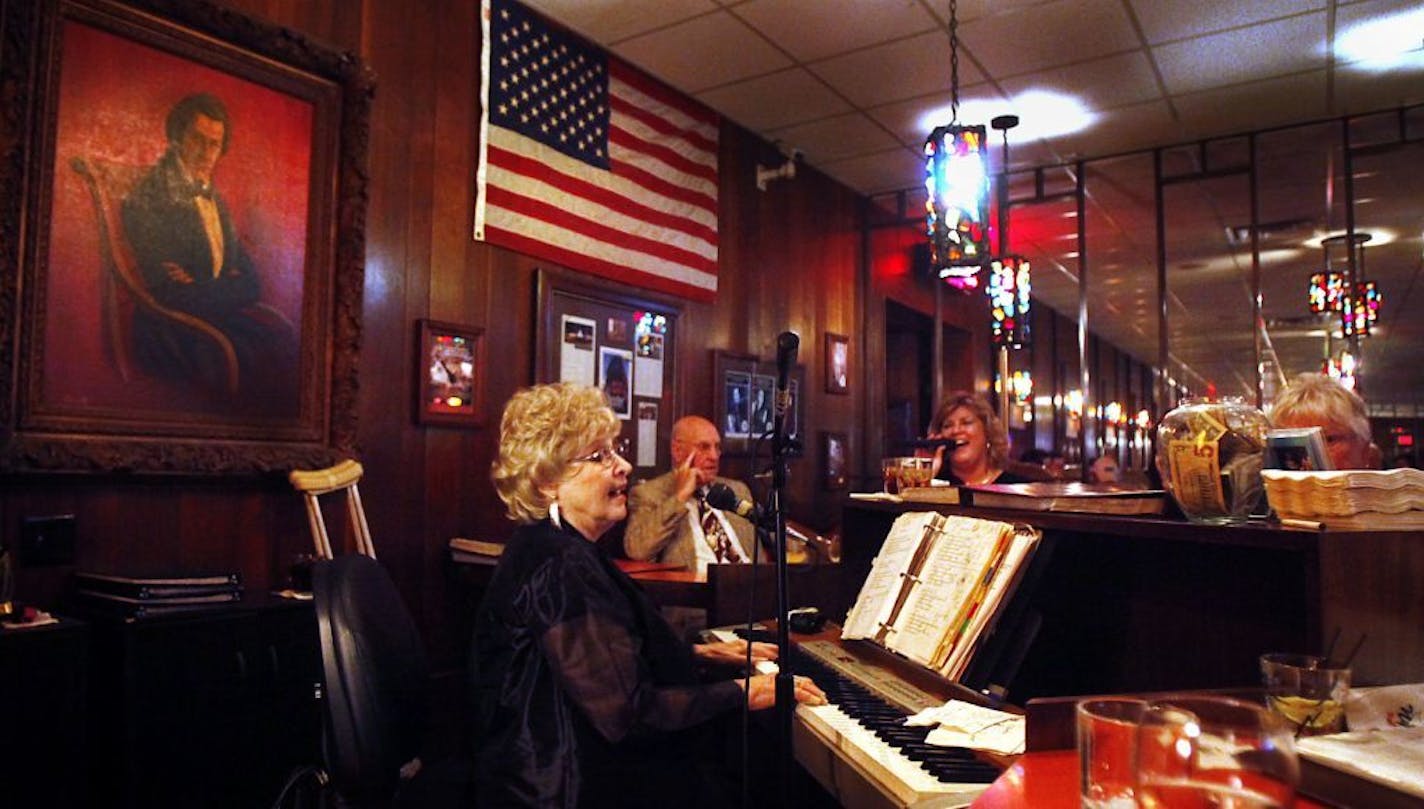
point(1209, 452)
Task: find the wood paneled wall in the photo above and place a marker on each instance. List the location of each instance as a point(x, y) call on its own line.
point(791, 258)
point(796, 256)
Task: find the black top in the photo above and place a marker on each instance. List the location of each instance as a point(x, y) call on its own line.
point(1004, 477)
point(584, 695)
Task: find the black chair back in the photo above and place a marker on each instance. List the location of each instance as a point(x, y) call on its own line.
point(376, 679)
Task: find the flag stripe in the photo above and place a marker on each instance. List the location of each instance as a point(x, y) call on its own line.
point(666, 102)
point(586, 161)
point(544, 212)
point(551, 178)
point(693, 285)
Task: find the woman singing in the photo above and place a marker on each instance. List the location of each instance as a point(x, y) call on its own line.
point(584, 695)
point(980, 447)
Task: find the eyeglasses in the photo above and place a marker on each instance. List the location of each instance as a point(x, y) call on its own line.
point(607, 456)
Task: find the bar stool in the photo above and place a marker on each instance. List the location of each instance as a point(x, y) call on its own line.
point(315, 482)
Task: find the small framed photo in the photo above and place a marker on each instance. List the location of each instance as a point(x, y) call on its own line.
point(837, 363)
point(833, 460)
point(450, 375)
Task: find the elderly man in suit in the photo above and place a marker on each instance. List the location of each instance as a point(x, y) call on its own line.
point(669, 519)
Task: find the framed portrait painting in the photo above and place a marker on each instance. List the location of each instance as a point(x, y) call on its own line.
point(194, 248)
point(451, 374)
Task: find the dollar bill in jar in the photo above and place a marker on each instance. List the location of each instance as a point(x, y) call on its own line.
point(1209, 454)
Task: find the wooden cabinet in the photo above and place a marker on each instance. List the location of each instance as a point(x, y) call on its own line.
point(43, 699)
point(208, 709)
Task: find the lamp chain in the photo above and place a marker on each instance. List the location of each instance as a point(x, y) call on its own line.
point(954, 61)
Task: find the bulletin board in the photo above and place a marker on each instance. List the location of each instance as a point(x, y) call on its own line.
point(620, 340)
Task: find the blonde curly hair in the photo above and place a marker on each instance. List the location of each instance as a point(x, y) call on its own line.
point(542, 429)
point(997, 438)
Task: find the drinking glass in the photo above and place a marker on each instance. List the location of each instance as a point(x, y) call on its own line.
point(1306, 691)
point(1107, 751)
point(1203, 751)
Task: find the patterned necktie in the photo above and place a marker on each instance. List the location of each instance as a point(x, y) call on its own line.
point(716, 534)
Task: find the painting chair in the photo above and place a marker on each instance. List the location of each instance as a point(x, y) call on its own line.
point(342, 477)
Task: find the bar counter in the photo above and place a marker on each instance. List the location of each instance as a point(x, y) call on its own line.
point(1114, 604)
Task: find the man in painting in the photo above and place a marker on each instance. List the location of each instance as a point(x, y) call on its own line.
point(193, 263)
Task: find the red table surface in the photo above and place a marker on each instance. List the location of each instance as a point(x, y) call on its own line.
point(1049, 780)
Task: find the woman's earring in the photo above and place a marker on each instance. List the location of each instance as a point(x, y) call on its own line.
point(554, 514)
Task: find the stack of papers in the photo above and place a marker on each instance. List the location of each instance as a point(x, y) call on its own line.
point(1349, 498)
point(964, 724)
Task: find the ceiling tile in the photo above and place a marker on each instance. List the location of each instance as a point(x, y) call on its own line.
point(1278, 48)
point(878, 172)
point(813, 29)
point(908, 68)
point(1120, 130)
point(1047, 35)
point(1357, 91)
point(1163, 22)
point(907, 119)
point(1257, 105)
point(608, 21)
point(837, 138)
point(1114, 81)
point(775, 100)
point(703, 53)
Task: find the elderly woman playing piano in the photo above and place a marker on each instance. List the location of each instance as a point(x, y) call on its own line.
point(584, 695)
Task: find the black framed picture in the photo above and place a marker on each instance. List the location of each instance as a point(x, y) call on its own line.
point(745, 389)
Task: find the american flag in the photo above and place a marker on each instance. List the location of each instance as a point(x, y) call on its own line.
point(586, 162)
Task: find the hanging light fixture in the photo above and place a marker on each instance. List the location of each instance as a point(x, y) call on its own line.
point(1009, 285)
point(1355, 299)
point(957, 183)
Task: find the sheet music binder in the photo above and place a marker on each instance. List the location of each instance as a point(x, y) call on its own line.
point(939, 587)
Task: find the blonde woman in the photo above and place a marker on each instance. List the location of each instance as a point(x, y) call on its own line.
point(584, 695)
point(981, 446)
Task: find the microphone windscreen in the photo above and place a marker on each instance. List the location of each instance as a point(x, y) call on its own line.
point(720, 495)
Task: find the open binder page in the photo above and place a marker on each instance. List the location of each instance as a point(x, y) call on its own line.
point(876, 600)
point(951, 581)
point(957, 655)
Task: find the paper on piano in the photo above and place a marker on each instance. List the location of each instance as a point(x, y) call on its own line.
point(964, 724)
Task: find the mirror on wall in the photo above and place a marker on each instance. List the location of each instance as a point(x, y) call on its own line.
point(1206, 206)
point(1043, 227)
point(1289, 188)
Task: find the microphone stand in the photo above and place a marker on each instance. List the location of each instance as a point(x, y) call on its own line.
point(785, 677)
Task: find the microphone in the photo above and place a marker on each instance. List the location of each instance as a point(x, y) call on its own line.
point(787, 344)
point(935, 443)
point(720, 495)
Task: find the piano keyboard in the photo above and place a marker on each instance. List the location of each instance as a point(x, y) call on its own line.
point(864, 725)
